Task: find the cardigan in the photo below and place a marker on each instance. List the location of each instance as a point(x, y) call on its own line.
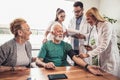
point(8, 53)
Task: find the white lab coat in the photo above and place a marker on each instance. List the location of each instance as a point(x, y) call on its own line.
point(84, 29)
point(106, 48)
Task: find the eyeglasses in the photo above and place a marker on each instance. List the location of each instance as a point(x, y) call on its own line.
point(62, 16)
point(77, 11)
point(27, 29)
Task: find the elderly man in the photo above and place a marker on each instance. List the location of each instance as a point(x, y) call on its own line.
point(54, 53)
point(17, 51)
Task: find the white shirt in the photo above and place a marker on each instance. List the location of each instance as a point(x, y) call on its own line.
point(22, 57)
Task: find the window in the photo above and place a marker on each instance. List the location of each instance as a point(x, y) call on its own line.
point(37, 13)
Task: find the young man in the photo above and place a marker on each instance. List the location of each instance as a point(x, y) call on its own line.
point(54, 53)
point(78, 23)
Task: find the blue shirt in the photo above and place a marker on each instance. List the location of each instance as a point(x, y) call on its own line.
point(76, 41)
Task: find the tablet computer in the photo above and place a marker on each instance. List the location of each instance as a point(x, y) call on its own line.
point(57, 76)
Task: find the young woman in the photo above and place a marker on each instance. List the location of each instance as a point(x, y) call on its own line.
point(60, 17)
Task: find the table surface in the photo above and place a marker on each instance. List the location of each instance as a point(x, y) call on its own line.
point(72, 72)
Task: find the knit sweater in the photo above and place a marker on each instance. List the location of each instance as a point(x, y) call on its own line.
point(8, 53)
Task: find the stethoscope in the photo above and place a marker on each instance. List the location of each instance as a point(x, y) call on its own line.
point(89, 36)
point(91, 28)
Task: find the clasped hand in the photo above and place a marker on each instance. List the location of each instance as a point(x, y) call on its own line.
point(49, 65)
point(83, 55)
point(88, 48)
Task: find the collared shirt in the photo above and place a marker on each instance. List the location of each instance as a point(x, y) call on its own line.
point(76, 41)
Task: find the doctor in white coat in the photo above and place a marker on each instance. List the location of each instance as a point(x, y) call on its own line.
point(78, 24)
point(84, 29)
point(106, 47)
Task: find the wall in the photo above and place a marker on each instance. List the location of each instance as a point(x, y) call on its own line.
point(111, 9)
point(90, 3)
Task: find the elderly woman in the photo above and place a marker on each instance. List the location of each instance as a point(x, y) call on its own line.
point(105, 41)
point(17, 51)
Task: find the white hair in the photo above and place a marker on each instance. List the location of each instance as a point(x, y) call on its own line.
point(54, 25)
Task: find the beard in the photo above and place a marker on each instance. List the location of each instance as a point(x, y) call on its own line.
point(59, 38)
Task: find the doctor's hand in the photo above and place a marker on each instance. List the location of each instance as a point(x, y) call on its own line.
point(83, 55)
point(79, 36)
point(44, 40)
point(96, 70)
point(88, 48)
point(49, 65)
point(65, 33)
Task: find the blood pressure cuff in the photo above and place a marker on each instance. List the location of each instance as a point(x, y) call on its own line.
point(71, 53)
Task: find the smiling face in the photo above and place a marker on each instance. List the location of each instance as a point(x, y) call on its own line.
point(20, 29)
point(61, 16)
point(91, 20)
point(57, 33)
point(25, 31)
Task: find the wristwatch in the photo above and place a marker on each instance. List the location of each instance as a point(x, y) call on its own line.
point(86, 67)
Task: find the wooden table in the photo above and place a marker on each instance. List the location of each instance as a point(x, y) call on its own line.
point(72, 72)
